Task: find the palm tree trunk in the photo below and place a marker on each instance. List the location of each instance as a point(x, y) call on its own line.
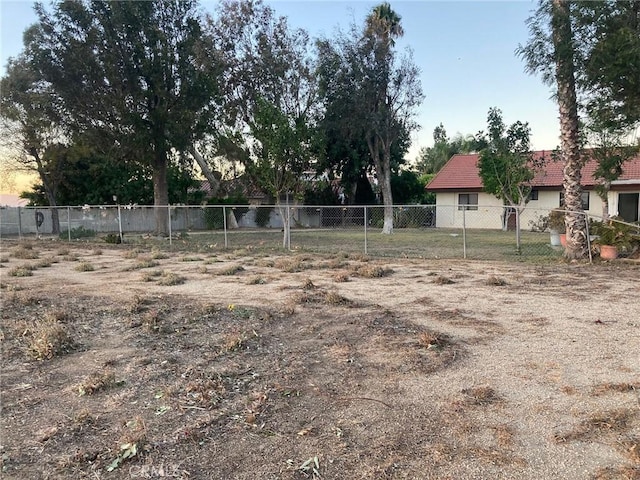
point(575, 220)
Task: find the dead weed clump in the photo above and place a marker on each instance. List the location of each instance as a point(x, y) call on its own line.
point(291, 265)
point(22, 271)
point(371, 271)
point(24, 252)
point(480, 396)
point(257, 280)
point(609, 387)
point(442, 280)
point(432, 341)
point(233, 341)
point(598, 424)
point(496, 281)
point(624, 472)
point(85, 267)
point(50, 338)
point(96, 382)
point(169, 279)
point(341, 277)
point(231, 270)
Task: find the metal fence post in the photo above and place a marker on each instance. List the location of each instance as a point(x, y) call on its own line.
point(69, 223)
point(288, 224)
point(169, 220)
point(586, 221)
point(120, 224)
point(19, 223)
point(365, 230)
point(518, 240)
point(224, 225)
point(464, 232)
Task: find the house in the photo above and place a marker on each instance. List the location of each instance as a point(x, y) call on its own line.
point(459, 193)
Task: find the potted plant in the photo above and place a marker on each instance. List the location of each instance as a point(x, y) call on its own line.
point(615, 237)
point(557, 227)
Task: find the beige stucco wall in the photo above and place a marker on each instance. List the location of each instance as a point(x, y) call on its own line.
point(490, 210)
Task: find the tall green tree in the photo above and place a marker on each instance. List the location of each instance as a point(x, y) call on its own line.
point(506, 164)
point(375, 91)
point(552, 51)
point(393, 92)
point(130, 74)
point(431, 159)
point(30, 132)
point(608, 34)
point(269, 96)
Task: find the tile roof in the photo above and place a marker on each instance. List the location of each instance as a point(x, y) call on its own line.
point(461, 173)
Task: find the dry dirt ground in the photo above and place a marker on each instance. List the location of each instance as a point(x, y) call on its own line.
point(136, 363)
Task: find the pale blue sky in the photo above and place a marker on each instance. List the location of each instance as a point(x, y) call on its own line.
point(465, 50)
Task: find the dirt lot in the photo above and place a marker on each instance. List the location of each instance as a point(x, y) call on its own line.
point(136, 363)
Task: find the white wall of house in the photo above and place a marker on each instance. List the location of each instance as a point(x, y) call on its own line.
point(490, 210)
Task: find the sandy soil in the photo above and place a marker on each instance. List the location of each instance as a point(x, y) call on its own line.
point(120, 363)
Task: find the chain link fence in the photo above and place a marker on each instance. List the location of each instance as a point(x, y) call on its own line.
point(420, 231)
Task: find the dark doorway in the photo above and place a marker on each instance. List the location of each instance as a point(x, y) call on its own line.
point(628, 206)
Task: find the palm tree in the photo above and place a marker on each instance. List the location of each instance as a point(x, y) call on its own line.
point(564, 54)
point(384, 24)
point(382, 27)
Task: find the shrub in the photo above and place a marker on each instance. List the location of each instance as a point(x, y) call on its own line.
point(263, 215)
point(214, 216)
point(78, 232)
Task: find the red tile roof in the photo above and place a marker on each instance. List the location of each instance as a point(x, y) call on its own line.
point(461, 173)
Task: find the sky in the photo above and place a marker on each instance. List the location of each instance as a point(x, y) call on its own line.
point(465, 51)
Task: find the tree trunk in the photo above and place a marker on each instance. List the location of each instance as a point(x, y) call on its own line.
point(161, 193)
point(206, 171)
point(577, 246)
point(49, 192)
point(284, 214)
point(383, 171)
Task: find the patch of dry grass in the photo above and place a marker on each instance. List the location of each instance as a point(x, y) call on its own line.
point(45, 262)
point(21, 271)
point(96, 382)
point(49, 337)
point(151, 275)
point(133, 253)
point(371, 271)
point(233, 341)
point(85, 267)
point(257, 280)
point(169, 279)
point(496, 281)
point(24, 252)
point(442, 280)
point(608, 387)
point(308, 284)
point(341, 277)
point(431, 340)
point(291, 265)
point(624, 472)
point(144, 263)
point(231, 270)
point(482, 395)
point(612, 421)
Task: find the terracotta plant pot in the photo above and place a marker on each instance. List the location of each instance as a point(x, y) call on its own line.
point(563, 239)
point(608, 252)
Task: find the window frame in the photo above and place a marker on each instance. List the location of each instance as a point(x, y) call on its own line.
point(467, 205)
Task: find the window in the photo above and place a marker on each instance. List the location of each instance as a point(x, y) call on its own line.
point(585, 200)
point(533, 195)
point(467, 201)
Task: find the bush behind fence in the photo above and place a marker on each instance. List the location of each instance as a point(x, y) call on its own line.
point(426, 231)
